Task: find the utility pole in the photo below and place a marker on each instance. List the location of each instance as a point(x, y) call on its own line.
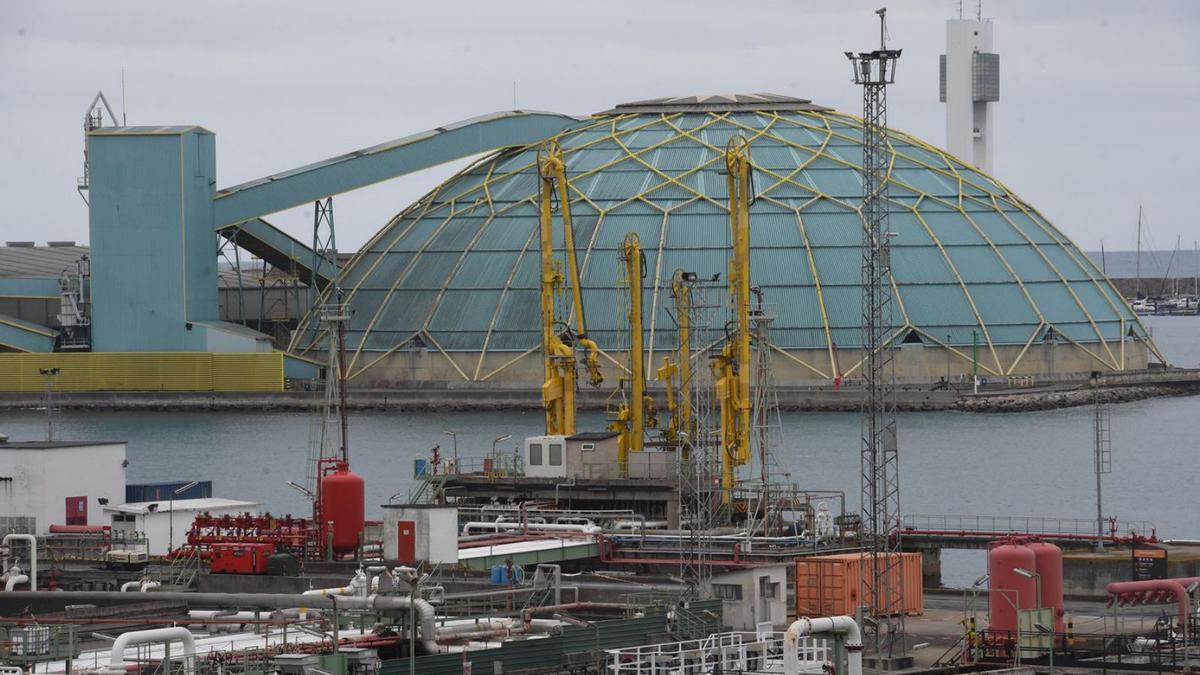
point(1102, 434)
point(49, 374)
point(884, 619)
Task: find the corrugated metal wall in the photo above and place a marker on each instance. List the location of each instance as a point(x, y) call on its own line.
point(523, 655)
point(150, 371)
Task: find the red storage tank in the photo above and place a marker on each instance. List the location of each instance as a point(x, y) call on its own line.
point(342, 505)
point(1007, 589)
point(1049, 563)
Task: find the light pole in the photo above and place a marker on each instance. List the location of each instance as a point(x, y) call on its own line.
point(1047, 631)
point(49, 374)
point(1037, 581)
point(171, 515)
point(500, 439)
point(454, 438)
point(1017, 609)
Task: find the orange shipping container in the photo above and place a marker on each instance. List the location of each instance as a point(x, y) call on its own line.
point(829, 585)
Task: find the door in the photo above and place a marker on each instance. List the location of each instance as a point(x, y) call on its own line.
point(77, 511)
point(406, 542)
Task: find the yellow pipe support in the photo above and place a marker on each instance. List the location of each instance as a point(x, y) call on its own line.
point(736, 355)
point(681, 291)
point(631, 254)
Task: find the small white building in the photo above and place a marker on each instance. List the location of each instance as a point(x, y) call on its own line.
point(752, 596)
point(166, 523)
point(415, 533)
point(44, 483)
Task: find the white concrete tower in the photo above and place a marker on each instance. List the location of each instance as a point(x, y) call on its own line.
point(970, 83)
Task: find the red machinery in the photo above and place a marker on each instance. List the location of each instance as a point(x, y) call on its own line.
point(340, 506)
point(337, 524)
point(240, 558)
point(295, 535)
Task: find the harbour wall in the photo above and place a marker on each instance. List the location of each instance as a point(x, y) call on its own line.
point(994, 397)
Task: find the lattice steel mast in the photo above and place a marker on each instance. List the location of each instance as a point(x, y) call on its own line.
point(884, 629)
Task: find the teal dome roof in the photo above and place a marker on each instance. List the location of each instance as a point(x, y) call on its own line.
point(457, 271)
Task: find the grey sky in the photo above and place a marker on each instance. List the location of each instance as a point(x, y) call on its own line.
point(1097, 111)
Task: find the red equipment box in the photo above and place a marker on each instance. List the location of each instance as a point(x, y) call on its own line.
point(240, 558)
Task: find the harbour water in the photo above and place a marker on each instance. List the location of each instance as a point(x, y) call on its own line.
point(951, 463)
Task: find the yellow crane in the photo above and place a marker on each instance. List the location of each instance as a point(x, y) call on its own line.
point(639, 412)
point(679, 403)
point(558, 339)
point(732, 366)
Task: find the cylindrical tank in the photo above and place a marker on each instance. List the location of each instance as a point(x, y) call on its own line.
point(342, 505)
point(1008, 590)
point(1049, 563)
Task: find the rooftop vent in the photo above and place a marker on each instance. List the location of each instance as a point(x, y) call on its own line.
point(60, 244)
point(19, 244)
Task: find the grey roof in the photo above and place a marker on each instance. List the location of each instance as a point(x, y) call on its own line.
point(166, 130)
point(38, 261)
point(715, 103)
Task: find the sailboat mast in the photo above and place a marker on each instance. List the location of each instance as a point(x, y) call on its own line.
point(1137, 288)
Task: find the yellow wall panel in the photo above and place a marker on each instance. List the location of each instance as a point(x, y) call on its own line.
point(144, 371)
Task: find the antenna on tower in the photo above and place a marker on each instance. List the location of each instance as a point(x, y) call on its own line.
point(93, 119)
point(124, 120)
point(880, 585)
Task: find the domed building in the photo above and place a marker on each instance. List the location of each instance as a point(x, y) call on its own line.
point(447, 292)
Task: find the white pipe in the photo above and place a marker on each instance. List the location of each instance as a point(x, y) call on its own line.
point(130, 585)
point(32, 555)
point(830, 624)
point(116, 660)
point(13, 581)
point(547, 527)
point(340, 590)
point(147, 585)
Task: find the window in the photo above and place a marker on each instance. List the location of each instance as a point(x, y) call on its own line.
point(766, 589)
point(535, 454)
point(588, 447)
point(556, 454)
point(727, 591)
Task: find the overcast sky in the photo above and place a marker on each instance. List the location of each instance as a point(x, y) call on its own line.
point(1098, 110)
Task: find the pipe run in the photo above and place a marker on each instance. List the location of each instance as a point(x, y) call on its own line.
point(1153, 591)
point(33, 555)
point(388, 604)
point(116, 659)
point(478, 525)
point(13, 580)
point(842, 625)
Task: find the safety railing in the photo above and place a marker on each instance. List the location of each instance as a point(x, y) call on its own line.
point(734, 652)
point(982, 524)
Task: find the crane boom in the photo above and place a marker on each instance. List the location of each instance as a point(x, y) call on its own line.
point(558, 340)
point(732, 366)
point(634, 416)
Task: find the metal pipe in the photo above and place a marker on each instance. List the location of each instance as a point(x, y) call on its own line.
point(843, 625)
point(33, 555)
point(547, 527)
point(13, 581)
point(116, 659)
point(1143, 592)
point(130, 585)
point(380, 604)
point(147, 585)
